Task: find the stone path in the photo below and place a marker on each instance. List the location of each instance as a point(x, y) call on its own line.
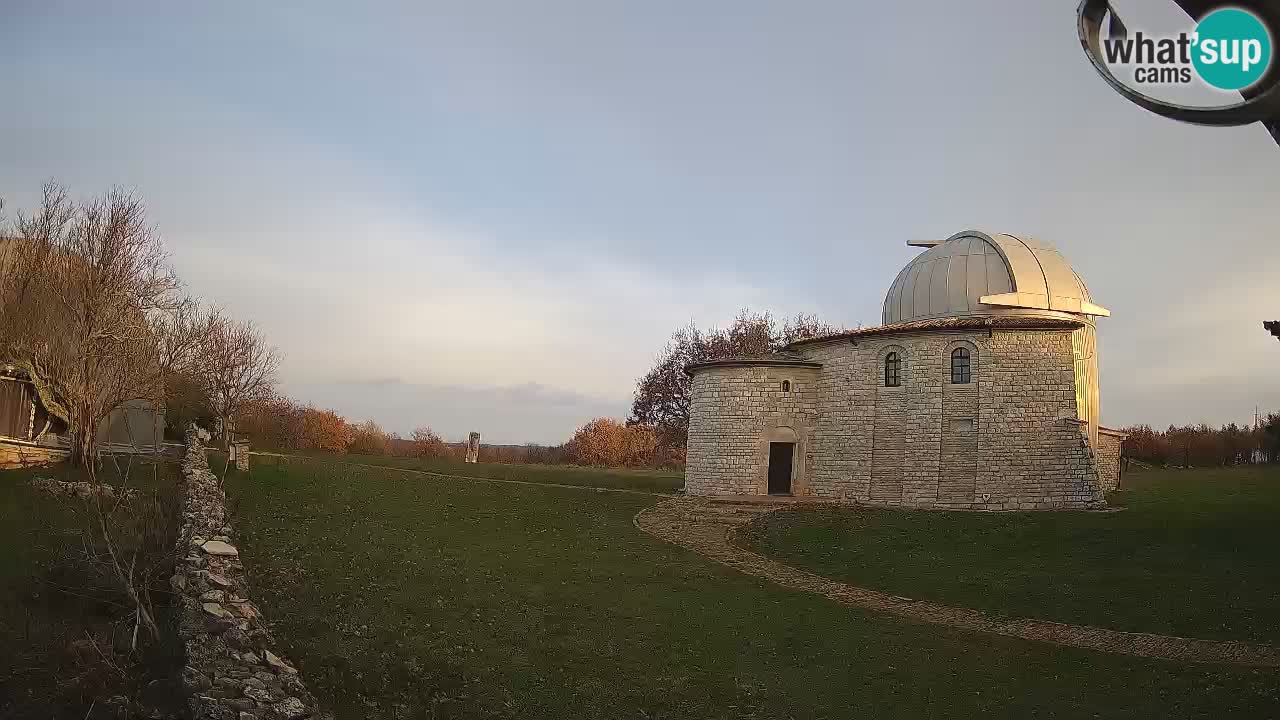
point(708, 527)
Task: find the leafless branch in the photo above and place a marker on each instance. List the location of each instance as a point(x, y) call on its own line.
point(239, 367)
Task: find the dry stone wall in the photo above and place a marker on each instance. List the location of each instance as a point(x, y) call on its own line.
point(1008, 440)
point(232, 671)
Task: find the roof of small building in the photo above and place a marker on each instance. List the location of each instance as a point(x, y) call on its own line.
point(949, 323)
point(981, 273)
point(778, 359)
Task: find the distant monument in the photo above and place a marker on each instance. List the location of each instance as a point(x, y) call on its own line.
point(473, 447)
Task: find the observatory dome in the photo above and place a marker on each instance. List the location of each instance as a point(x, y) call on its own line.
point(973, 273)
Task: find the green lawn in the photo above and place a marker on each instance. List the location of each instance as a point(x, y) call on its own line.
point(1193, 553)
point(663, 481)
point(416, 596)
point(51, 602)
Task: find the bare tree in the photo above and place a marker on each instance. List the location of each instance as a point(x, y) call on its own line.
point(662, 396)
point(90, 307)
point(239, 367)
point(88, 302)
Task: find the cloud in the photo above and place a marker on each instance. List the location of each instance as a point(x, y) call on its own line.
point(361, 286)
point(485, 212)
point(415, 301)
point(1203, 357)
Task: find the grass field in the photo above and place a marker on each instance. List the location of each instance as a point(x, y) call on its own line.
point(1193, 553)
point(51, 604)
point(416, 596)
point(631, 479)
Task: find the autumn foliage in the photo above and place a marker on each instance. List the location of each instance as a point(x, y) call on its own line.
point(368, 438)
point(278, 422)
point(427, 444)
point(605, 441)
point(325, 430)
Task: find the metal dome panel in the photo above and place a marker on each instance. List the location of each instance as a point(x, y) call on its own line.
point(976, 273)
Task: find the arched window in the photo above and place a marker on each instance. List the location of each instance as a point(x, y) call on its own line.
point(786, 386)
point(892, 370)
point(960, 366)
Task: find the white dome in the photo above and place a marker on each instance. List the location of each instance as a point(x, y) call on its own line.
point(976, 273)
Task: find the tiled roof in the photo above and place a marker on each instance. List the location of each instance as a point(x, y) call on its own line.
point(947, 323)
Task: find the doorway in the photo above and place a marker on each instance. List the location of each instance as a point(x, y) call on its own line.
point(780, 457)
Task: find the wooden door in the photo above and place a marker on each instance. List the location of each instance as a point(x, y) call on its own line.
point(780, 457)
point(15, 409)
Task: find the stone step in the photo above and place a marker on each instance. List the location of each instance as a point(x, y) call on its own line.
point(756, 503)
point(719, 518)
point(713, 520)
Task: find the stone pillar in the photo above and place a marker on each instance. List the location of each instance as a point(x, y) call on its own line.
point(473, 447)
point(240, 454)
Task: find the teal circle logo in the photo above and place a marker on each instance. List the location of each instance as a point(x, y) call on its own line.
point(1232, 49)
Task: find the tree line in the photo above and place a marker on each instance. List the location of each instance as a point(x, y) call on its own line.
point(96, 317)
point(1206, 446)
point(279, 423)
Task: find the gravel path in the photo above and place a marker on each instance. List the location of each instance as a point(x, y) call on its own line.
point(708, 527)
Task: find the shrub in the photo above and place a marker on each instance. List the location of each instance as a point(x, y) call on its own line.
point(325, 430)
point(427, 444)
point(368, 438)
point(605, 441)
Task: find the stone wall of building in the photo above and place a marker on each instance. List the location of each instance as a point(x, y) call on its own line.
point(231, 671)
point(1035, 454)
point(734, 414)
point(1007, 440)
point(1110, 444)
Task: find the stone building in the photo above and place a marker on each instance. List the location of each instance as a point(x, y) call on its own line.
point(978, 391)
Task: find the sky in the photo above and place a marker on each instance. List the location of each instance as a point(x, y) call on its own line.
point(491, 216)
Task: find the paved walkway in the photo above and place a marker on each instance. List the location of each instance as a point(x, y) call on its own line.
point(708, 528)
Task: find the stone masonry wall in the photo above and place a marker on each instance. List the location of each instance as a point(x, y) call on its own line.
point(734, 413)
point(1034, 453)
point(231, 671)
point(1007, 440)
point(1110, 443)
